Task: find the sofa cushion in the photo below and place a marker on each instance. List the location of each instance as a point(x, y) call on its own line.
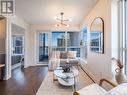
point(72, 54)
point(55, 55)
point(93, 89)
point(53, 64)
point(63, 55)
point(73, 62)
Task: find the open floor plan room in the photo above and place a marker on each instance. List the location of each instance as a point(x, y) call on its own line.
point(63, 47)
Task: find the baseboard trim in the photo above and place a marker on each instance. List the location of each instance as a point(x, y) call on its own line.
point(87, 75)
point(15, 66)
point(90, 74)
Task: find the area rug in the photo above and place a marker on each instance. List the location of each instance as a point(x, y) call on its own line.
point(49, 88)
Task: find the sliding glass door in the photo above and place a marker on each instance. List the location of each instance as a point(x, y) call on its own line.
point(43, 48)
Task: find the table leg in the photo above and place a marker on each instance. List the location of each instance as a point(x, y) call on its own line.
point(74, 86)
point(54, 78)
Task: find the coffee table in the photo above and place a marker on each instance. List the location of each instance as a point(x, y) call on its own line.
point(66, 78)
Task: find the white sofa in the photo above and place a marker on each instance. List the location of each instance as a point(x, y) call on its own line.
point(58, 58)
point(95, 89)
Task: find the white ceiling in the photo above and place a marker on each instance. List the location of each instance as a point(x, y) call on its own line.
point(43, 11)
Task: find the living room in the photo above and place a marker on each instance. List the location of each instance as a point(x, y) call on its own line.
point(44, 39)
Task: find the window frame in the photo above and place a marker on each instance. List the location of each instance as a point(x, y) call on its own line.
point(14, 38)
point(122, 13)
point(84, 46)
point(66, 44)
point(56, 47)
point(75, 47)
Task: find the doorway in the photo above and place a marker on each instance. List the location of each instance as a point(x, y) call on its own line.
point(3, 52)
point(43, 47)
point(18, 45)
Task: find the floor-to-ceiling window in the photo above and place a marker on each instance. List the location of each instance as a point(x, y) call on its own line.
point(73, 42)
point(61, 41)
point(58, 41)
point(123, 32)
point(126, 36)
point(84, 43)
point(66, 41)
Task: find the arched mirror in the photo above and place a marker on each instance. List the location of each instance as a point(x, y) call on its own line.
point(97, 35)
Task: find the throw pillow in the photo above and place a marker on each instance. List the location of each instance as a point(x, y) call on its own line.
point(63, 55)
point(53, 54)
point(72, 54)
point(57, 54)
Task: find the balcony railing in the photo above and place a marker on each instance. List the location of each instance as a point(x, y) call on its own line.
point(68, 49)
point(96, 48)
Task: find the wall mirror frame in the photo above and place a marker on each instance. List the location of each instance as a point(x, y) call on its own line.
point(97, 35)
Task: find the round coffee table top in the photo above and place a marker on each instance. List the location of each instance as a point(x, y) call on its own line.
point(66, 78)
point(61, 74)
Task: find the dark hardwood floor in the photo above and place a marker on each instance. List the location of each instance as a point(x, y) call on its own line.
point(24, 82)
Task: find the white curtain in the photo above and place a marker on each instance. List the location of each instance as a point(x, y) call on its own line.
point(122, 25)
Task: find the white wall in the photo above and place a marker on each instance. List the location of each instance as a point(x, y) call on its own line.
point(114, 29)
point(100, 64)
point(17, 30)
point(21, 23)
point(18, 21)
